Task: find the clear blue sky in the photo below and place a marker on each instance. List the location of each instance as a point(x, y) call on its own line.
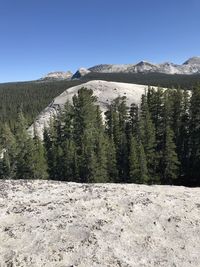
point(39, 36)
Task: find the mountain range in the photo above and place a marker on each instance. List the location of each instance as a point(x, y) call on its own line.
point(191, 66)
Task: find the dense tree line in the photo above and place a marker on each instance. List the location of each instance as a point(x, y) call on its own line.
point(155, 143)
point(155, 79)
point(34, 96)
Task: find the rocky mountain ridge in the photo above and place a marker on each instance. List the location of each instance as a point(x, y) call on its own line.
point(190, 66)
point(58, 75)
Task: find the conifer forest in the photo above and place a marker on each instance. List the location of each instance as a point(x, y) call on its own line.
point(157, 142)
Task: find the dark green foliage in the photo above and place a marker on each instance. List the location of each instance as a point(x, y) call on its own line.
point(8, 163)
point(144, 176)
point(116, 118)
point(53, 150)
point(33, 97)
point(76, 145)
point(23, 157)
point(183, 145)
point(85, 133)
point(170, 161)
point(157, 142)
point(112, 169)
point(194, 137)
point(134, 165)
point(30, 158)
point(148, 140)
point(156, 79)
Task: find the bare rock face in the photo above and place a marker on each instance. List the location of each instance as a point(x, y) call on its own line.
point(58, 75)
point(45, 223)
point(80, 73)
point(103, 90)
point(191, 66)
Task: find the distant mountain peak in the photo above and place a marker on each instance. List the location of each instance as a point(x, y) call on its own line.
point(58, 75)
point(191, 66)
point(192, 61)
point(80, 73)
point(143, 62)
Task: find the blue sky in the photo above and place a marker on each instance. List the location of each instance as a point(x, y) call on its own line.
point(39, 36)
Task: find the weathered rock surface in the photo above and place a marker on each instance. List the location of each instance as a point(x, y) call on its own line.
point(103, 90)
point(58, 75)
point(191, 66)
point(80, 73)
point(66, 224)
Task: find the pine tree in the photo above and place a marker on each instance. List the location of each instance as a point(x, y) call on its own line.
point(101, 173)
point(116, 126)
point(86, 134)
point(66, 119)
point(112, 169)
point(30, 161)
point(134, 165)
point(68, 171)
point(144, 178)
point(147, 135)
point(67, 156)
point(169, 160)
point(155, 100)
point(133, 120)
point(39, 168)
point(195, 137)
point(8, 154)
point(183, 140)
point(176, 98)
point(138, 172)
point(25, 149)
point(51, 150)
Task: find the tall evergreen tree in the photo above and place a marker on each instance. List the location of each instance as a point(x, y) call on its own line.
point(30, 161)
point(85, 133)
point(8, 154)
point(39, 168)
point(112, 169)
point(147, 135)
point(52, 151)
point(183, 139)
point(195, 137)
point(134, 165)
point(101, 172)
point(176, 99)
point(116, 125)
point(169, 160)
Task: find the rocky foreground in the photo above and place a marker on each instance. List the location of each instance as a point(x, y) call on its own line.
point(66, 224)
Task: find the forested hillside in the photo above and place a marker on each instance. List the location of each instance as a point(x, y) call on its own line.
point(156, 143)
point(156, 79)
point(32, 97)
